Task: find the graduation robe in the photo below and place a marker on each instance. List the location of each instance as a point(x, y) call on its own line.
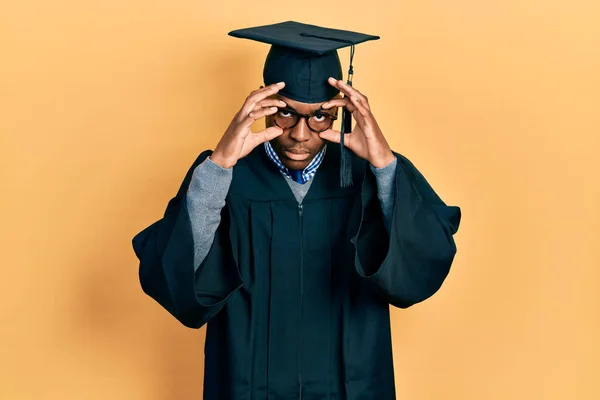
point(296, 296)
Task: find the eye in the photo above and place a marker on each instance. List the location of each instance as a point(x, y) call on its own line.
point(285, 114)
point(320, 117)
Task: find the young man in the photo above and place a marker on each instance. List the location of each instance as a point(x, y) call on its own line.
point(293, 271)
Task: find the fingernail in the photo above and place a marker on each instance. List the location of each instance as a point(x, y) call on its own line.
point(281, 84)
point(251, 114)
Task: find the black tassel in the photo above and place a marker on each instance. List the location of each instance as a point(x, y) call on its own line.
point(346, 157)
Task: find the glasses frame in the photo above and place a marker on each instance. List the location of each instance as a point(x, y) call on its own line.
point(333, 118)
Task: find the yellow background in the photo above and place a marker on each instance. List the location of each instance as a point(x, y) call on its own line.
point(105, 104)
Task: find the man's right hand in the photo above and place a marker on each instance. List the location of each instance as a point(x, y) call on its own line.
point(238, 141)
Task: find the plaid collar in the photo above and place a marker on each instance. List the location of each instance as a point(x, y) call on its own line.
point(307, 174)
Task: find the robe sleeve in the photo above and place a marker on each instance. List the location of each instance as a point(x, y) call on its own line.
point(166, 270)
point(409, 264)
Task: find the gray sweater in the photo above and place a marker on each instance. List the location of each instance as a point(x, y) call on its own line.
point(210, 184)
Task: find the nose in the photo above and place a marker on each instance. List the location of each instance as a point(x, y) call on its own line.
point(301, 132)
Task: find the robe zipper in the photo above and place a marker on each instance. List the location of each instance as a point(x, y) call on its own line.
point(300, 210)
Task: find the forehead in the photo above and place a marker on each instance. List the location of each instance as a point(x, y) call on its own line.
point(304, 108)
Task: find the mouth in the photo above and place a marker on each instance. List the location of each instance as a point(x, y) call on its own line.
point(296, 155)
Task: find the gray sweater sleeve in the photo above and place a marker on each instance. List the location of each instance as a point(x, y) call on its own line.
point(386, 190)
point(205, 199)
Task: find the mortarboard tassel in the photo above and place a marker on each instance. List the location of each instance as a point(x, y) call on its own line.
point(346, 157)
point(346, 160)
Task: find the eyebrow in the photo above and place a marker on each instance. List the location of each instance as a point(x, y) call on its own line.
point(319, 110)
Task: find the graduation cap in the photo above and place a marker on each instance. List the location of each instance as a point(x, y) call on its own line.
point(304, 57)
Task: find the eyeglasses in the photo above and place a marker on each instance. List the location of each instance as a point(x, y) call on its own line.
point(317, 122)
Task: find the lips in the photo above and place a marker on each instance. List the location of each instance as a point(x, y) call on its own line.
point(296, 155)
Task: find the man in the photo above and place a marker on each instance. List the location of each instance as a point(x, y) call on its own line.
point(293, 271)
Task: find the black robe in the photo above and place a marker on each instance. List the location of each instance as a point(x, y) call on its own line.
point(297, 297)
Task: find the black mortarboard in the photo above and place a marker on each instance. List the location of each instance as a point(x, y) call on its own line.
point(304, 57)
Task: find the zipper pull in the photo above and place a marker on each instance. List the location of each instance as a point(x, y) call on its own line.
point(300, 209)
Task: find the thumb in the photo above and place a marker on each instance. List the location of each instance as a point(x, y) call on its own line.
point(331, 135)
point(267, 134)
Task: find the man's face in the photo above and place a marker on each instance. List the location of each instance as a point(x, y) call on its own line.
point(297, 146)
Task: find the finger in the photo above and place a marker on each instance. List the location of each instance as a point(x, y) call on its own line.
point(256, 115)
point(355, 92)
point(362, 112)
point(333, 136)
point(260, 95)
point(342, 86)
point(269, 103)
point(330, 135)
point(267, 88)
point(360, 120)
point(341, 102)
point(266, 135)
point(349, 91)
point(349, 105)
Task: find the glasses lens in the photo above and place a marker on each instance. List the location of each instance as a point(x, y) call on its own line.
point(285, 119)
point(320, 122)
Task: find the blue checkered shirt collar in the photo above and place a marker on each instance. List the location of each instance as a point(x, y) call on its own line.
point(307, 174)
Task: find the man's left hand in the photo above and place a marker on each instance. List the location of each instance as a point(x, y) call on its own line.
point(366, 140)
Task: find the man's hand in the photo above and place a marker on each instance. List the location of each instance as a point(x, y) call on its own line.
point(238, 141)
point(366, 140)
